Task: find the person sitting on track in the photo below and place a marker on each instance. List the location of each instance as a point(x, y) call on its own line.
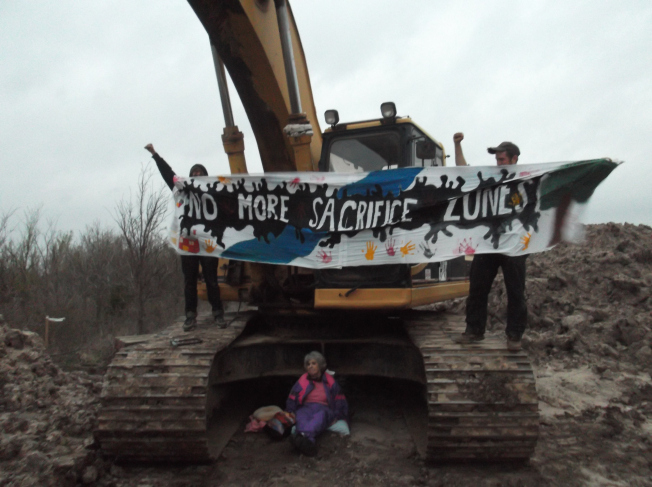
point(318, 404)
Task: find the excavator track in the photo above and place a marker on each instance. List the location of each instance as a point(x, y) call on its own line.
point(162, 403)
point(156, 404)
point(482, 399)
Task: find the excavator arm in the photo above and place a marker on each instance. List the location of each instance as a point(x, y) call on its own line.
point(247, 38)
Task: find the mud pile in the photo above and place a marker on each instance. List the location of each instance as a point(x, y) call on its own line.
point(589, 338)
point(589, 303)
point(46, 416)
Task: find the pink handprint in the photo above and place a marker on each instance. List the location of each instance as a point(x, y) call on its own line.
point(325, 257)
point(389, 246)
point(467, 248)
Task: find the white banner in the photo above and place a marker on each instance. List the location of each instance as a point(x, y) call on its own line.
point(408, 215)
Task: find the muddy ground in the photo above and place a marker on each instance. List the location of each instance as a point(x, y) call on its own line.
point(589, 340)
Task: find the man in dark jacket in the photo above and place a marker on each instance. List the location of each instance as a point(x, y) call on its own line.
point(485, 267)
point(190, 263)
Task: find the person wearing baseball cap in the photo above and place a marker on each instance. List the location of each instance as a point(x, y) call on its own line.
point(506, 152)
point(485, 267)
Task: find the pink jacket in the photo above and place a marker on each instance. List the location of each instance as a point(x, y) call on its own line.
point(336, 399)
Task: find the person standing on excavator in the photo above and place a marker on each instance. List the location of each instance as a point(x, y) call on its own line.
point(485, 267)
point(190, 263)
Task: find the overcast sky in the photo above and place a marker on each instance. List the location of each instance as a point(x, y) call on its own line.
point(85, 85)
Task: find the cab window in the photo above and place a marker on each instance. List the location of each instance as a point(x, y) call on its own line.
point(365, 153)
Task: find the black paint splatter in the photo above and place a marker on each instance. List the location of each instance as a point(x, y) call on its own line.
point(432, 203)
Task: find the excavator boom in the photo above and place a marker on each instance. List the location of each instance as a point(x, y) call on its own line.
point(246, 36)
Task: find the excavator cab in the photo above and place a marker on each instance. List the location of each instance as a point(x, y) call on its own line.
point(386, 143)
point(378, 145)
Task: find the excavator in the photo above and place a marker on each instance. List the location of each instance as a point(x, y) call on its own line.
point(178, 397)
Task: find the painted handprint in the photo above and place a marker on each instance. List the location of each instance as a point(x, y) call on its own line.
point(325, 257)
point(425, 248)
point(407, 248)
point(224, 180)
point(371, 250)
point(178, 181)
point(525, 240)
point(390, 247)
point(295, 182)
point(516, 199)
point(209, 246)
point(466, 248)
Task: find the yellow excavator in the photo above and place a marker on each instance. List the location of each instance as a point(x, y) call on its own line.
point(175, 396)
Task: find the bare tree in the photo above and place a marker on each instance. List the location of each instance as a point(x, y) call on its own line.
point(140, 219)
point(24, 259)
point(55, 250)
point(5, 266)
point(101, 251)
point(103, 282)
point(4, 227)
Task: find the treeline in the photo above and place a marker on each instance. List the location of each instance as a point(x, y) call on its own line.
point(105, 282)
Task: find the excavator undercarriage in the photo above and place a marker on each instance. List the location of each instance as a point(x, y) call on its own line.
point(176, 397)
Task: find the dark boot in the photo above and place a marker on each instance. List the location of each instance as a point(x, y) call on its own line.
point(191, 321)
point(218, 316)
point(513, 344)
point(467, 338)
point(305, 445)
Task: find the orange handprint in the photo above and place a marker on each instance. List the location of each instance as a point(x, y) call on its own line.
point(371, 250)
point(407, 248)
point(209, 246)
point(525, 240)
point(516, 199)
point(224, 180)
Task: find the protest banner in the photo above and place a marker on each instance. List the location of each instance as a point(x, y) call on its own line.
point(408, 215)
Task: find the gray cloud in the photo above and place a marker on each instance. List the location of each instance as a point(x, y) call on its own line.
point(85, 85)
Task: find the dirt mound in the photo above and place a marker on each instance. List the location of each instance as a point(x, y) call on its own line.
point(590, 303)
point(589, 337)
point(46, 416)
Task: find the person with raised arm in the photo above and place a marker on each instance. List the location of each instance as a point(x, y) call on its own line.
point(190, 263)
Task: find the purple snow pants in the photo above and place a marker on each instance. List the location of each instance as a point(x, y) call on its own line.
point(313, 419)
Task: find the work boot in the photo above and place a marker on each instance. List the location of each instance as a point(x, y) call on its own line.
point(514, 344)
point(191, 321)
point(218, 316)
point(467, 338)
point(305, 445)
